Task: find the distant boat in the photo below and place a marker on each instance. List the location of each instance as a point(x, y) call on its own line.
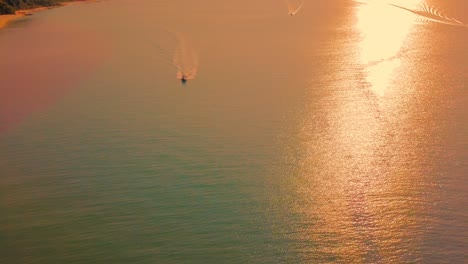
point(183, 79)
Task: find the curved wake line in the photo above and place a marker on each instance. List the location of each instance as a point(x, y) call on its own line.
point(164, 54)
point(433, 15)
point(297, 10)
point(292, 10)
point(184, 58)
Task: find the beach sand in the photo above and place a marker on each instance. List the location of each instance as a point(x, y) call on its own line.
point(5, 19)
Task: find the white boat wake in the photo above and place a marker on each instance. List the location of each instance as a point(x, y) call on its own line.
point(432, 14)
point(182, 56)
point(294, 6)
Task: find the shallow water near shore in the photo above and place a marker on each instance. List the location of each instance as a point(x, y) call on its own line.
point(337, 135)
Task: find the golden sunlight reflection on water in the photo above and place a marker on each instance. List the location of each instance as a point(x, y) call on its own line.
point(384, 30)
point(360, 178)
point(334, 136)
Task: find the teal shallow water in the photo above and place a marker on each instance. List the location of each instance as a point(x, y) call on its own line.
point(302, 139)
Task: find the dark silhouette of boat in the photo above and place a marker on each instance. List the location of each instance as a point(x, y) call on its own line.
point(183, 79)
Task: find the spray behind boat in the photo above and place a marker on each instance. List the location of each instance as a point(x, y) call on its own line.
point(180, 54)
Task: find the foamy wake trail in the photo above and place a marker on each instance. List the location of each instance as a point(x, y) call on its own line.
point(294, 6)
point(429, 13)
point(185, 59)
point(180, 54)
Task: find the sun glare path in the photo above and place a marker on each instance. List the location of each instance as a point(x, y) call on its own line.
point(383, 33)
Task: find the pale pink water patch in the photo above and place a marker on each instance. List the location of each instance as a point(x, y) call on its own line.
point(40, 64)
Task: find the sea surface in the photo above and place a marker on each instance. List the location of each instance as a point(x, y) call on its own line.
point(328, 132)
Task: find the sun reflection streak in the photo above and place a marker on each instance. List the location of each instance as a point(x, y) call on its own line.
point(383, 33)
point(355, 163)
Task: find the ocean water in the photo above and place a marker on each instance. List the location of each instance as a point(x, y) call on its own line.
point(335, 135)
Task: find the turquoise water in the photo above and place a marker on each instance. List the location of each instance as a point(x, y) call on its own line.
point(336, 135)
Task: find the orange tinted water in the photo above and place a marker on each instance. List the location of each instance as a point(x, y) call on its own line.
point(334, 136)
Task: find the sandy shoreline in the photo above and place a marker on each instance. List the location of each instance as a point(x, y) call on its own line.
point(5, 19)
